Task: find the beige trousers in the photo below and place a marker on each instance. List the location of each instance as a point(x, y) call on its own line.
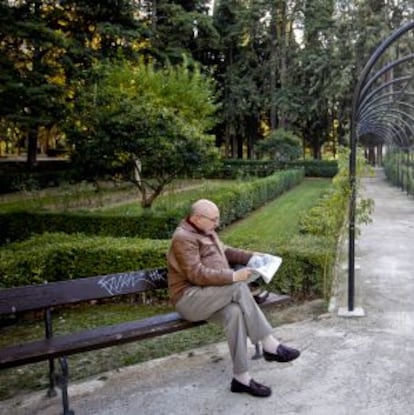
point(234, 308)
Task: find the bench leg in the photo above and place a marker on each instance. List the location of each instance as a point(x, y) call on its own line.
point(51, 392)
point(257, 351)
point(49, 334)
point(62, 381)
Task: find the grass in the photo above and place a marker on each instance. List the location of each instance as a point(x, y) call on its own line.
point(275, 221)
point(84, 196)
point(176, 196)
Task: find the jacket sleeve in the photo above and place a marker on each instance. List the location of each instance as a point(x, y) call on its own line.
point(237, 256)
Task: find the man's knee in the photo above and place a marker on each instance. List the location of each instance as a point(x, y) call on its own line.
point(232, 312)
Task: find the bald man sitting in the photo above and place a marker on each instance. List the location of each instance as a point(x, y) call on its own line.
point(203, 286)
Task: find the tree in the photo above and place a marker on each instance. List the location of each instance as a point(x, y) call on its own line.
point(280, 145)
point(150, 126)
point(178, 28)
point(46, 47)
point(239, 72)
point(31, 95)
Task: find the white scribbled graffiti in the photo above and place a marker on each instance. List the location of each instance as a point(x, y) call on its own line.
point(117, 283)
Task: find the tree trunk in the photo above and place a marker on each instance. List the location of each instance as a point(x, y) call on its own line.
point(273, 65)
point(32, 150)
point(282, 36)
point(239, 147)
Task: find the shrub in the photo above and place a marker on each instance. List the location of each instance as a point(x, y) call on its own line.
point(58, 257)
point(235, 201)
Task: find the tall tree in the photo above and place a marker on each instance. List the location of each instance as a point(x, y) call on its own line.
point(31, 94)
point(240, 73)
point(47, 47)
point(179, 28)
point(282, 50)
point(316, 61)
point(148, 125)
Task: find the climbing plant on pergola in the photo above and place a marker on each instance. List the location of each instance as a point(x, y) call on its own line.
point(382, 113)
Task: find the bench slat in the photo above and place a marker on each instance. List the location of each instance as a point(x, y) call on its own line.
point(36, 297)
point(86, 340)
point(101, 337)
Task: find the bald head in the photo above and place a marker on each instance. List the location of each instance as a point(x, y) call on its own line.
point(205, 214)
point(204, 207)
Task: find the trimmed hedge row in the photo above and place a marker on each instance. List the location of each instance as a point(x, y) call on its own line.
point(52, 173)
point(15, 177)
point(235, 169)
point(399, 170)
point(307, 269)
point(235, 202)
point(59, 257)
point(63, 257)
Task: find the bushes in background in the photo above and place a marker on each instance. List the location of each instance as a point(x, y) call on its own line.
point(234, 168)
point(59, 257)
point(399, 169)
point(235, 202)
point(308, 258)
point(63, 257)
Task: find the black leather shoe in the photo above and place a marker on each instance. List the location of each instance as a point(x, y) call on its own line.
point(261, 297)
point(283, 354)
point(254, 388)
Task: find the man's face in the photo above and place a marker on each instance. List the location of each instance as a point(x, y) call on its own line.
point(208, 220)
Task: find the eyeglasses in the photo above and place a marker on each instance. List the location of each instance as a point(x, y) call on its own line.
point(214, 220)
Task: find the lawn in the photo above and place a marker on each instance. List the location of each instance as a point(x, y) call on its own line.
point(278, 220)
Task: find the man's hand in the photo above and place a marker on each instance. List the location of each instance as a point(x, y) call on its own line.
point(242, 274)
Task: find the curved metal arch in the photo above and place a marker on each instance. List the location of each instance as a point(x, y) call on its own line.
point(392, 133)
point(362, 88)
point(384, 86)
point(392, 116)
point(389, 129)
point(385, 96)
point(379, 131)
point(389, 105)
point(384, 70)
point(392, 109)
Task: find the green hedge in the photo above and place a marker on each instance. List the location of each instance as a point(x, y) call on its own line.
point(306, 270)
point(236, 169)
point(15, 177)
point(399, 169)
point(63, 257)
point(303, 274)
point(59, 257)
point(235, 202)
point(307, 267)
point(318, 168)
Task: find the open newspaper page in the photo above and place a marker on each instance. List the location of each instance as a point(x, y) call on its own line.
point(264, 265)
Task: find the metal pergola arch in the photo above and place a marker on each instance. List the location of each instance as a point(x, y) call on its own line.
point(393, 124)
point(384, 86)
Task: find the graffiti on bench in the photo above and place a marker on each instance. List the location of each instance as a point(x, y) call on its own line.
point(116, 284)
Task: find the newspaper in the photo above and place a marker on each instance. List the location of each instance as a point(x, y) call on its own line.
point(264, 265)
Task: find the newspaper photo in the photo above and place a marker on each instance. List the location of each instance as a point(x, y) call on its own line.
point(264, 265)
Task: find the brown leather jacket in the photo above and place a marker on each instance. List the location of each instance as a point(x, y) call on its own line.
point(196, 258)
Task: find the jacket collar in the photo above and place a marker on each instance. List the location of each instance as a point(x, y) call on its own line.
point(188, 221)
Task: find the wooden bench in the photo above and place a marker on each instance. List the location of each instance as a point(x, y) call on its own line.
point(47, 296)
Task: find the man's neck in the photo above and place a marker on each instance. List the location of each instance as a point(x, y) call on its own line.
point(199, 230)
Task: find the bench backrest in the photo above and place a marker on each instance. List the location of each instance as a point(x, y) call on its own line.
point(35, 297)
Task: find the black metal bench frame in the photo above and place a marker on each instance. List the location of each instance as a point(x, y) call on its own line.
point(46, 296)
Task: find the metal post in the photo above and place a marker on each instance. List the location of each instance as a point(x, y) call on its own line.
point(360, 96)
point(51, 392)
